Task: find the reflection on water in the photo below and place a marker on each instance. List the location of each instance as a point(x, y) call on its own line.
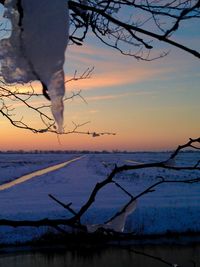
point(29, 176)
point(113, 257)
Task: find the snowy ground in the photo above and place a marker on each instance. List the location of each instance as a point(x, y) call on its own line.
point(15, 165)
point(171, 208)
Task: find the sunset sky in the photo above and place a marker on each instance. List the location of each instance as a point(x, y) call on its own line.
point(149, 105)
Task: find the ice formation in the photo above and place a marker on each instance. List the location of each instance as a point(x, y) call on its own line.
point(117, 224)
point(36, 47)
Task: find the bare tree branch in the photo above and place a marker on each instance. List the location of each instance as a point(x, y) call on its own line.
point(157, 258)
point(67, 207)
point(189, 144)
point(75, 220)
point(112, 29)
point(14, 96)
point(130, 35)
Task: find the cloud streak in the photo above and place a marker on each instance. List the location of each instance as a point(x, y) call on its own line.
point(117, 96)
point(112, 71)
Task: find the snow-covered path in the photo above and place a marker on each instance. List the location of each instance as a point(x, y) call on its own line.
point(31, 175)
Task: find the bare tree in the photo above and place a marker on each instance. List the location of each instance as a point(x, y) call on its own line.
point(133, 28)
point(130, 27)
point(75, 221)
point(13, 97)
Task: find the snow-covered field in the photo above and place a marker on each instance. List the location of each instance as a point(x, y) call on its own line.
point(171, 208)
point(15, 165)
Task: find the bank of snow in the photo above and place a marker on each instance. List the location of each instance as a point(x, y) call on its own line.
point(171, 208)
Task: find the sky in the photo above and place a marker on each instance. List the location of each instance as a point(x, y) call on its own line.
point(149, 105)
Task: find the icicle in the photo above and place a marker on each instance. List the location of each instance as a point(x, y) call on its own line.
point(118, 223)
point(56, 90)
point(36, 47)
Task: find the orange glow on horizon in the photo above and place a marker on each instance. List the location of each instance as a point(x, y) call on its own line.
point(17, 139)
point(151, 106)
